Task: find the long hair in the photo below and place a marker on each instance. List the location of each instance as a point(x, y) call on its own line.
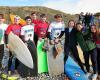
point(72, 21)
point(97, 33)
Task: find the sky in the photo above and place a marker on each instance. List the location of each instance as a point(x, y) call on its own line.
point(67, 6)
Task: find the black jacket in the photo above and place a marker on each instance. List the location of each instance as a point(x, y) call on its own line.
point(70, 37)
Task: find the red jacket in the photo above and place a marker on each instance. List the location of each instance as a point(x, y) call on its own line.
point(15, 28)
point(41, 29)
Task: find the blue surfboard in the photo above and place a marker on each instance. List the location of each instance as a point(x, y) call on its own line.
point(73, 71)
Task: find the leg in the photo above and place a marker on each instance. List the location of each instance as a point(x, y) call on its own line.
point(16, 63)
point(66, 53)
point(9, 61)
point(86, 58)
point(1, 53)
point(98, 60)
point(76, 57)
point(94, 60)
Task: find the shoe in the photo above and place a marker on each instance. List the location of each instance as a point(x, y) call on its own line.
point(94, 77)
point(88, 75)
point(9, 73)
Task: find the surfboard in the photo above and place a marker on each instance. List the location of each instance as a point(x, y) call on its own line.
point(42, 57)
point(73, 71)
point(55, 65)
point(82, 56)
point(20, 50)
point(23, 70)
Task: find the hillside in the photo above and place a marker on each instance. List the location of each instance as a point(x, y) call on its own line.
point(27, 10)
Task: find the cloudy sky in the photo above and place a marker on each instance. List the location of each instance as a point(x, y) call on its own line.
point(68, 6)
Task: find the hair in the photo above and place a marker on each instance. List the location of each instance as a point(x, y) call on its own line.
point(72, 21)
point(43, 15)
point(2, 16)
point(97, 29)
point(33, 13)
point(58, 16)
point(78, 24)
point(28, 17)
point(16, 17)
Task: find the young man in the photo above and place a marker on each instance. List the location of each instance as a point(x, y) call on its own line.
point(27, 34)
point(41, 32)
point(55, 29)
point(89, 49)
point(3, 28)
point(42, 27)
point(35, 21)
point(27, 31)
point(16, 29)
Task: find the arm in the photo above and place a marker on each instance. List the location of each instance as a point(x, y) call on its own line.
point(8, 30)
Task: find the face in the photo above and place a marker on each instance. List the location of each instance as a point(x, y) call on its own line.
point(93, 29)
point(16, 20)
point(1, 19)
point(34, 16)
point(28, 21)
point(43, 19)
point(59, 19)
point(79, 27)
point(71, 24)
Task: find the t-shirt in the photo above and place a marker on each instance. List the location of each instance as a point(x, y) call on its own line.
point(42, 29)
point(28, 32)
point(15, 28)
point(70, 29)
point(3, 28)
point(55, 29)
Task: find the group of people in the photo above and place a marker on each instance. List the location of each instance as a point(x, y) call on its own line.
point(38, 29)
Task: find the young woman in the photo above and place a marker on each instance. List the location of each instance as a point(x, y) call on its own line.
point(89, 49)
point(96, 37)
point(71, 43)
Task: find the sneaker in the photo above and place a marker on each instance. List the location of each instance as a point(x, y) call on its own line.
point(88, 75)
point(9, 73)
point(94, 77)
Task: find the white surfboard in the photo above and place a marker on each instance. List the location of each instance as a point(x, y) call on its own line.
point(20, 50)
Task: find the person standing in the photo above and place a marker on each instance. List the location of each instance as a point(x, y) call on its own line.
point(96, 37)
point(71, 43)
point(16, 29)
point(3, 28)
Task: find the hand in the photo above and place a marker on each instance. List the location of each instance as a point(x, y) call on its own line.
point(26, 44)
point(40, 39)
point(57, 41)
point(52, 42)
point(7, 46)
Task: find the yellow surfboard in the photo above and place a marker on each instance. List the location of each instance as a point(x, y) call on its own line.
point(22, 22)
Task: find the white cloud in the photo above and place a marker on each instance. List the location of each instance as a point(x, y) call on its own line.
point(70, 6)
